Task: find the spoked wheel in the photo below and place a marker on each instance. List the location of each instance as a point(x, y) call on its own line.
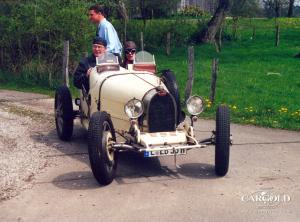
point(103, 157)
point(222, 146)
point(63, 108)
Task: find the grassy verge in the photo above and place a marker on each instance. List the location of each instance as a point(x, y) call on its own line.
point(11, 82)
point(259, 82)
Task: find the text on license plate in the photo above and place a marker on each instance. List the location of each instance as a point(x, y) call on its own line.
point(178, 151)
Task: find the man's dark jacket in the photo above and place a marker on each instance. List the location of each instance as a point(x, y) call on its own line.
point(80, 77)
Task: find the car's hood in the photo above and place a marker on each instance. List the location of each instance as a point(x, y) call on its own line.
point(118, 87)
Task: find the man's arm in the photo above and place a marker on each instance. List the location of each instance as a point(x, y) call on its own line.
point(80, 77)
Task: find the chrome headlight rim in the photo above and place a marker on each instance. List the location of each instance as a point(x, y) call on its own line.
point(201, 103)
point(132, 104)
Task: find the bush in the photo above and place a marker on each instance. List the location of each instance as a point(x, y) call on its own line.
point(193, 11)
point(155, 31)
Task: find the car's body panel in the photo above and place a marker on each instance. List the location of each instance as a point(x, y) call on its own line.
point(163, 138)
point(103, 84)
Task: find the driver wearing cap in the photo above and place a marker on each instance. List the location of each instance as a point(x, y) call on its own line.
point(86, 64)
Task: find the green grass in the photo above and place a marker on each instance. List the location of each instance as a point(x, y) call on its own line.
point(13, 82)
point(258, 81)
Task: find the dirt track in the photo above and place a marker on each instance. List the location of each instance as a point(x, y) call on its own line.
point(53, 180)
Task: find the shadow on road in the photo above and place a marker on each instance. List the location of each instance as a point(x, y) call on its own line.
point(132, 167)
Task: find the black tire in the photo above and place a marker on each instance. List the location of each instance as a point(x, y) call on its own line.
point(169, 79)
point(103, 162)
point(64, 116)
point(222, 146)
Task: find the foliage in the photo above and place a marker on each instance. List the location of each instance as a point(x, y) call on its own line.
point(33, 32)
point(192, 11)
point(245, 8)
point(155, 31)
point(147, 9)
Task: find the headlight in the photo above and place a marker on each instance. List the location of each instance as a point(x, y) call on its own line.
point(195, 105)
point(134, 108)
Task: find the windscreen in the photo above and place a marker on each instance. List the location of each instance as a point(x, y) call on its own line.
point(107, 59)
point(144, 57)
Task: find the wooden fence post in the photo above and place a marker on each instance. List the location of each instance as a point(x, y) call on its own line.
point(66, 64)
point(142, 41)
point(220, 38)
point(277, 35)
point(168, 46)
point(253, 32)
point(189, 84)
point(214, 73)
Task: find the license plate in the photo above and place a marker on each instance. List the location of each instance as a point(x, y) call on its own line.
point(172, 152)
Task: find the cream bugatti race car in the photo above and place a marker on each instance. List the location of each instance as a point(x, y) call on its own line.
point(144, 109)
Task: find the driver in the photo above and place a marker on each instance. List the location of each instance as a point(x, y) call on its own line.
point(82, 72)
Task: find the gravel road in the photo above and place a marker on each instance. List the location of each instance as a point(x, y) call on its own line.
point(22, 157)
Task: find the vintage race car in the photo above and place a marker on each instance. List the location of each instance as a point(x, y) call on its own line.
point(144, 109)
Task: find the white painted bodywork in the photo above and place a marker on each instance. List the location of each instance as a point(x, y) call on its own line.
point(117, 88)
point(167, 138)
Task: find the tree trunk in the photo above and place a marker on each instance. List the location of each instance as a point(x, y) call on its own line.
point(208, 34)
point(143, 12)
point(277, 8)
point(291, 8)
point(123, 13)
point(122, 9)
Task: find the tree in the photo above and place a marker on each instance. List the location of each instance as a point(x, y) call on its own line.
point(274, 7)
point(291, 8)
point(207, 35)
point(153, 8)
point(244, 8)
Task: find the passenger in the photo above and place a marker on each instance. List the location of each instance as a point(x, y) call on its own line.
point(129, 53)
point(82, 72)
point(105, 30)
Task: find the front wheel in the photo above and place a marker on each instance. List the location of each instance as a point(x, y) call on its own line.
point(222, 146)
point(103, 158)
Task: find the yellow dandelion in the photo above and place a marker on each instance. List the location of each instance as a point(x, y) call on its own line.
point(234, 107)
point(208, 105)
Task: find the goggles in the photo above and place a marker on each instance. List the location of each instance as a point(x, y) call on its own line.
point(132, 51)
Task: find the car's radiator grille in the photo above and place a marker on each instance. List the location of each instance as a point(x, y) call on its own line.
point(161, 114)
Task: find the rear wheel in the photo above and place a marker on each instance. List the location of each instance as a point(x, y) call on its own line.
point(222, 146)
point(169, 79)
point(103, 158)
point(63, 108)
